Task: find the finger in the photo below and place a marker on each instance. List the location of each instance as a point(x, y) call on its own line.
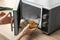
point(36, 25)
point(33, 29)
point(26, 27)
point(7, 13)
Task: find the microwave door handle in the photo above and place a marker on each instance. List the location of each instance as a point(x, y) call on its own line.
point(11, 21)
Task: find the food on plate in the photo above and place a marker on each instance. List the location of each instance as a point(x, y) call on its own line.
point(32, 24)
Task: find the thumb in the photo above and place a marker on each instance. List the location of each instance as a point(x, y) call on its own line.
point(33, 29)
point(26, 27)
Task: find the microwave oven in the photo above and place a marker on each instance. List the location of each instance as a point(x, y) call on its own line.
point(47, 18)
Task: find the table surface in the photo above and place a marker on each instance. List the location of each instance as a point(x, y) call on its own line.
point(36, 35)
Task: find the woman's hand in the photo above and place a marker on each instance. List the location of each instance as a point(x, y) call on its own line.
point(25, 31)
point(3, 17)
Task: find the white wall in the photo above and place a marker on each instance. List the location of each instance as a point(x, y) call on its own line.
point(9, 3)
point(2, 2)
point(14, 3)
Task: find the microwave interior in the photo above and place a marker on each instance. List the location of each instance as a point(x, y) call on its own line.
point(30, 12)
